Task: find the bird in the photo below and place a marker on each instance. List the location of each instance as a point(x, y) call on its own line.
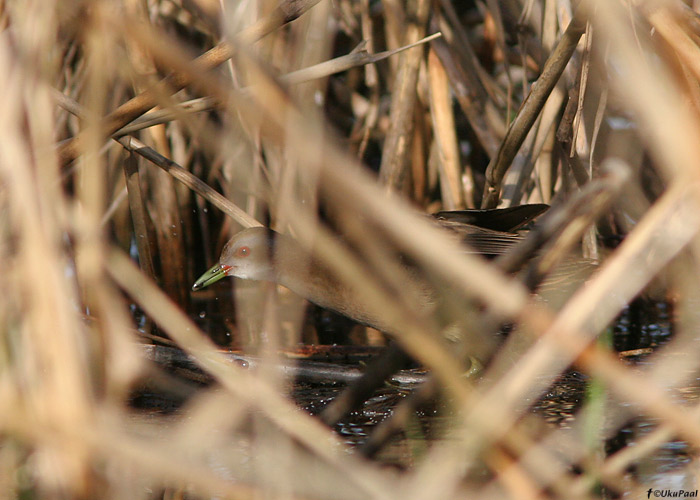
point(260, 254)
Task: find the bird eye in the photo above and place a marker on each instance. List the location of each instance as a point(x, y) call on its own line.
point(243, 252)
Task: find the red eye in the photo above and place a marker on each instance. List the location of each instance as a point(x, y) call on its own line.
point(243, 252)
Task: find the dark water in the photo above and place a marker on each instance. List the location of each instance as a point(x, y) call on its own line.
point(642, 327)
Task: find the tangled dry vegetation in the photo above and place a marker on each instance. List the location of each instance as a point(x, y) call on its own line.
point(123, 122)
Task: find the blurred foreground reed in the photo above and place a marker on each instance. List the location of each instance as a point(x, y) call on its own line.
point(360, 147)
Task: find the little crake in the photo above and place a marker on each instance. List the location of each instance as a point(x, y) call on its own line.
point(261, 254)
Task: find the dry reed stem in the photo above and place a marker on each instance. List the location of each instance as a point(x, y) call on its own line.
point(445, 137)
point(287, 11)
point(669, 124)
point(315, 72)
point(189, 180)
point(138, 211)
point(656, 239)
point(397, 143)
point(176, 171)
point(238, 381)
point(583, 316)
point(65, 383)
point(476, 91)
point(530, 110)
